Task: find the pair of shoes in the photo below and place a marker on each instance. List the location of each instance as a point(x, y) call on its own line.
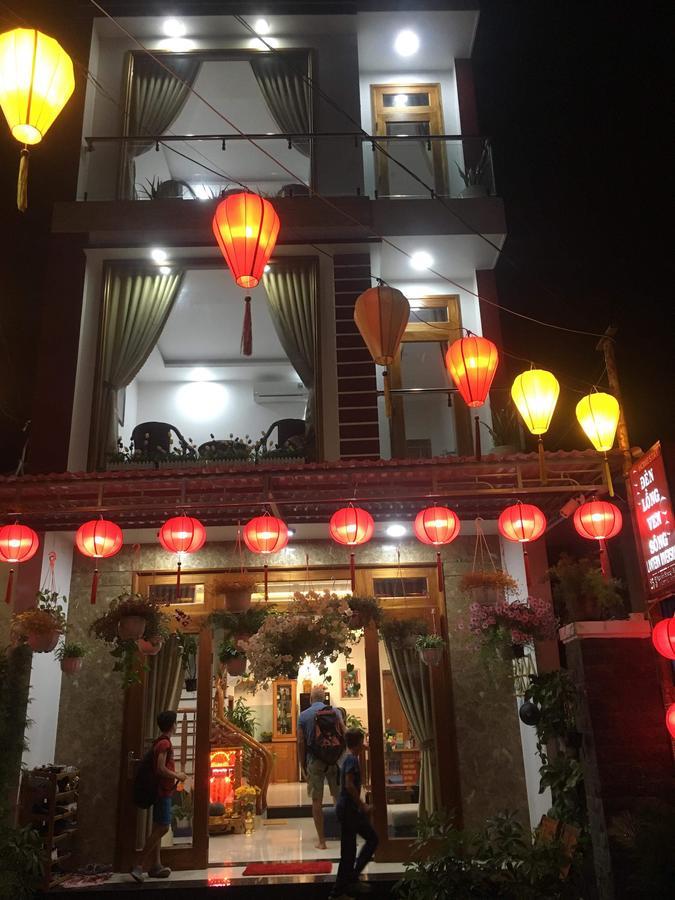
point(159, 872)
point(138, 874)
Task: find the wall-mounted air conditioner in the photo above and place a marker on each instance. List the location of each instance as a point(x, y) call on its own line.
point(279, 392)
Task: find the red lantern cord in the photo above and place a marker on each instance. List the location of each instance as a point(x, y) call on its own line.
point(98, 539)
point(18, 544)
point(182, 534)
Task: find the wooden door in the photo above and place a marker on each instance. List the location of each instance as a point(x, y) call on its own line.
point(394, 717)
point(407, 112)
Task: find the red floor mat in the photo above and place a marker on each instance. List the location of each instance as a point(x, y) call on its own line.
point(289, 868)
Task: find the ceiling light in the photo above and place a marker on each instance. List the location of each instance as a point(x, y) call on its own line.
point(261, 26)
point(201, 401)
point(400, 99)
point(396, 531)
point(165, 270)
point(421, 260)
point(176, 45)
point(267, 268)
point(406, 43)
point(291, 532)
point(174, 28)
point(159, 255)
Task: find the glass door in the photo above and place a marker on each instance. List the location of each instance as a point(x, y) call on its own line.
point(412, 746)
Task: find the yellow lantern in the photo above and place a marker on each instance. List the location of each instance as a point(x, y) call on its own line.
point(535, 394)
point(598, 415)
point(36, 81)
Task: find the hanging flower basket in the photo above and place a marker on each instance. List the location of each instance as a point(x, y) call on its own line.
point(131, 628)
point(403, 633)
point(71, 656)
point(190, 685)
point(150, 647)
point(503, 629)
point(42, 626)
point(364, 610)
point(488, 588)
point(235, 593)
point(42, 641)
point(430, 648)
point(236, 665)
point(71, 665)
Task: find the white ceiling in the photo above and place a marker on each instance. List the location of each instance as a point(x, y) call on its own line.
point(443, 37)
point(204, 331)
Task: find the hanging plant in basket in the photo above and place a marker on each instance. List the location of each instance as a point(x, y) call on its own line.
point(402, 632)
point(313, 626)
point(485, 582)
point(431, 648)
point(42, 626)
point(130, 619)
point(363, 611)
point(235, 593)
point(232, 658)
point(71, 656)
point(238, 624)
point(504, 629)
point(188, 648)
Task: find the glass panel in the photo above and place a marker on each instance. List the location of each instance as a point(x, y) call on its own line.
point(284, 705)
point(166, 593)
point(405, 99)
point(414, 155)
point(428, 416)
point(282, 591)
point(400, 587)
point(428, 313)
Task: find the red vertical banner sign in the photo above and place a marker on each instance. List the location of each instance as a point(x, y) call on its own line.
point(653, 520)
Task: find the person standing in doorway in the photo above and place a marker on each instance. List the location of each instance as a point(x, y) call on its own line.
point(320, 746)
point(166, 777)
point(352, 814)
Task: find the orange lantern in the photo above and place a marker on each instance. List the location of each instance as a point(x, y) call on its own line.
point(182, 534)
point(472, 363)
point(18, 544)
point(265, 534)
point(663, 637)
point(98, 539)
point(436, 525)
point(381, 314)
point(599, 520)
point(522, 522)
point(351, 526)
point(246, 227)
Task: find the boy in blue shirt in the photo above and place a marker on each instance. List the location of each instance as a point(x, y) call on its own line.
point(352, 814)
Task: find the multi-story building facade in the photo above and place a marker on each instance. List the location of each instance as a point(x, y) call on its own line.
point(361, 128)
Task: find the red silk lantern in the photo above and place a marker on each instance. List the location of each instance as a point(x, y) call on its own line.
point(182, 534)
point(522, 522)
point(246, 227)
point(18, 544)
point(663, 637)
point(472, 363)
point(599, 520)
point(352, 526)
point(265, 534)
point(98, 539)
point(670, 720)
point(436, 525)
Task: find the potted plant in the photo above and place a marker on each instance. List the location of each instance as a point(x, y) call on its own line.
point(71, 656)
point(242, 716)
point(42, 626)
point(182, 810)
point(188, 647)
point(363, 611)
point(430, 647)
point(247, 795)
point(234, 450)
point(150, 646)
point(232, 658)
point(473, 176)
point(266, 737)
point(312, 625)
point(488, 587)
point(402, 632)
point(504, 628)
point(236, 590)
point(582, 593)
point(22, 860)
point(239, 624)
point(504, 431)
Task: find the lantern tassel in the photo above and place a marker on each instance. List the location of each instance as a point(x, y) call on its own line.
point(94, 587)
point(247, 330)
point(266, 575)
point(604, 560)
point(352, 571)
point(387, 394)
point(439, 571)
point(8, 589)
point(526, 563)
point(608, 476)
point(479, 451)
point(542, 461)
point(178, 565)
point(22, 182)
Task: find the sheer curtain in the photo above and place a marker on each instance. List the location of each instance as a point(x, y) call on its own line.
point(136, 305)
point(286, 92)
point(411, 677)
point(291, 286)
point(157, 98)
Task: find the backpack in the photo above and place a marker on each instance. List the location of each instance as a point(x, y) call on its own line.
point(146, 781)
point(327, 743)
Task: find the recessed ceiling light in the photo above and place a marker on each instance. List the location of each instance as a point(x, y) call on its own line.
point(400, 99)
point(165, 270)
point(261, 26)
point(176, 45)
point(406, 43)
point(159, 255)
point(174, 28)
point(421, 260)
point(396, 531)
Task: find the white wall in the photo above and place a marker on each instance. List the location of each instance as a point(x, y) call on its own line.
point(45, 678)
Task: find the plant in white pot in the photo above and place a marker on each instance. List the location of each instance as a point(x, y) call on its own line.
point(232, 658)
point(71, 656)
point(42, 626)
point(430, 648)
point(473, 176)
point(504, 431)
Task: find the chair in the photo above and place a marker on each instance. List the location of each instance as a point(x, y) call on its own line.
point(289, 432)
point(153, 439)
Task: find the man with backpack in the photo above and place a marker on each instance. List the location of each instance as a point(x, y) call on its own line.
point(321, 743)
point(154, 784)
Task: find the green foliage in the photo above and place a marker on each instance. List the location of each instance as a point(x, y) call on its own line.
point(564, 776)
point(156, 189)
point(15, 668)
point(21, 864)
point(242, 716)
point(556, 696)
point(402, 632)
point(70, 650)
point(229, 650)
point(366, 609)
point(265, 737)
point(188, 647)
point(643, 841)
point(505, 428)
point(575, 582)
point(236, 623)
point(429, 642)
point(501, 860)
point(48, 615)
point(354, 722)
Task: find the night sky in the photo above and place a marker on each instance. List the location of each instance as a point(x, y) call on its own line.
point(575, 97)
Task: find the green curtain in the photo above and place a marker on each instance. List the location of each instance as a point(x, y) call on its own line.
point(286, 92)
point(291, 286)
point(411, 677)
point(136, 305)
point(157, 98)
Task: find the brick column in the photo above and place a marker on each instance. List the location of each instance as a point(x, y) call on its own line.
point(357, 388)
point(626, 753)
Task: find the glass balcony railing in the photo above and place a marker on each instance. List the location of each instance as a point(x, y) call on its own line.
point(202, 166)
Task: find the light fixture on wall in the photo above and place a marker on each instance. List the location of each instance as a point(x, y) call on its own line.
point(395, 531)
point(421, 260)
point(158, 255)
point(407, 43)
point(201, 401)
point(261, 26)
point(174, 28)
